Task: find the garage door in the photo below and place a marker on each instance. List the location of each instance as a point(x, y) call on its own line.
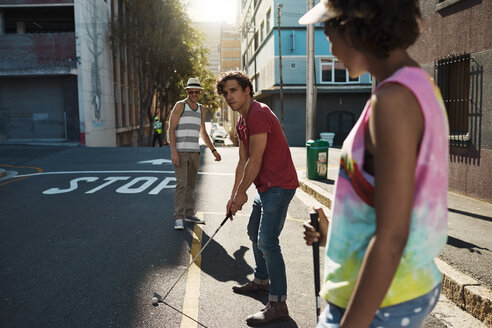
point(32, 108)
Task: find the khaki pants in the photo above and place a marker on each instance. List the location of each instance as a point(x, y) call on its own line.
point(186, 174)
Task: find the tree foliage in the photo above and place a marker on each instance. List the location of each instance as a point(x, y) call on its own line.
point(164, 49)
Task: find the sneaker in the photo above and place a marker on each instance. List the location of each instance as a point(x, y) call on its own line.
point(194, 219)
point(274, 311)
point(178, 224)
point(251, 288)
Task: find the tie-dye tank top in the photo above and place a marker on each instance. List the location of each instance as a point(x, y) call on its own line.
point(354, 221)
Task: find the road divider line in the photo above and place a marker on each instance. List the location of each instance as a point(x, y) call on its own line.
point(192, 290)
point(290, 218)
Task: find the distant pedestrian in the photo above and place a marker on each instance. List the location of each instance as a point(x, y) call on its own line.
point(265, 159)
point(186, 124)
point(157, 132)
point(389, 217)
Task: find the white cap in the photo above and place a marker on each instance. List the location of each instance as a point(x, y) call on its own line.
point(318, 13)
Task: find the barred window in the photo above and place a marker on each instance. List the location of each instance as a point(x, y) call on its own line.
point(452, 75)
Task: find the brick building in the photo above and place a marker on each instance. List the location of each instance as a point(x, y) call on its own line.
point(455, 47)
point(60, 77)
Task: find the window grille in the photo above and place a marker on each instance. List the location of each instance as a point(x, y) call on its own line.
point(454, 75)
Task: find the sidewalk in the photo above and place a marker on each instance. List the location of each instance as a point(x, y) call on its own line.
point(465, 263)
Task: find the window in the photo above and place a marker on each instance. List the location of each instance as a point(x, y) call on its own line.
point(292, 65)
point(256, 41)
point(268, 21)
point(333, 71)
point(262, 29)
point(452, 76)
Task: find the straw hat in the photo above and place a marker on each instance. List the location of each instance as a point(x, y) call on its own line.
point(193, 83)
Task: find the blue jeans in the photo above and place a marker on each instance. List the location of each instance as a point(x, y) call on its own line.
point(265, 225)
point(409, 314)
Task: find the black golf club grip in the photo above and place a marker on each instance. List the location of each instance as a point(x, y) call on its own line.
point(315, 223)
point(229, 215)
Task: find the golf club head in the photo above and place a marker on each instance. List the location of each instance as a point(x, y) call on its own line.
point(159, 297)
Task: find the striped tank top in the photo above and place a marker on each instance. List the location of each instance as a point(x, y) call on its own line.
point(188, 129)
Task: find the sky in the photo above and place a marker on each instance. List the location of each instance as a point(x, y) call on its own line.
point(212, 10)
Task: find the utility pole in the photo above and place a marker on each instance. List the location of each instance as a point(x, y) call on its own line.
point(280, 67)
point(310, 79)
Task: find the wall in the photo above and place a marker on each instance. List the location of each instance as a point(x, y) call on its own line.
point(464, 27)
point(95, 77)
point(41, 53)
point(327, 102)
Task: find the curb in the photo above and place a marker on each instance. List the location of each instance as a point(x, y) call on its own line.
point(467, 293)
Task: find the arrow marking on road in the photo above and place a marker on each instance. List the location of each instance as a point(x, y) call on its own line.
point(158, 161)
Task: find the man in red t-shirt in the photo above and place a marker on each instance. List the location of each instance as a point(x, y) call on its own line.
point(265, 159)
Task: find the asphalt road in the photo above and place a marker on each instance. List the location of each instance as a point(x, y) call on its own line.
point(86, 236)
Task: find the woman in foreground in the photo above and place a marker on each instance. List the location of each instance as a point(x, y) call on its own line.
point(389, 217)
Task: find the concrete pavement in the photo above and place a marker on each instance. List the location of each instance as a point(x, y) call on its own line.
point(467, 277)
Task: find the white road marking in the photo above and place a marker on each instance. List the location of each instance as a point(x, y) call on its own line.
point(111, 172)
point(156, 161)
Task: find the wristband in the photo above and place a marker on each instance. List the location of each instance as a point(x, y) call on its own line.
point(214, 150)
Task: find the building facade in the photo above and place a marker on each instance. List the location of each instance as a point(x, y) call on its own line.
point(455, 47)
point(61, 79)
point(211, 41)
point(230, 60)
point(340, 99)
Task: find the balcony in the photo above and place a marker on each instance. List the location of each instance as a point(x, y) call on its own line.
point(34, 2)
point(38, 54)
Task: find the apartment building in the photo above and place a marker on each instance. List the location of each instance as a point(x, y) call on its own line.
point(340, 99)
point(211, 32)
point(60, 77)
point(455, 47)
point(230, 60)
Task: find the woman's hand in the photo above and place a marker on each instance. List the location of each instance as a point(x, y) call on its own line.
point(312, 236)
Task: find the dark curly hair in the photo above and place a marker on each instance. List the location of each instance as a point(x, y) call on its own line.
point(378, 26)
point(239, 76)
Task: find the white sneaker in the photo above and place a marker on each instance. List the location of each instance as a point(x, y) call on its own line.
point(178, 224)
point(194, 219)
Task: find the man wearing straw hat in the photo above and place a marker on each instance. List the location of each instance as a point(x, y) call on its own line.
point(186, 124)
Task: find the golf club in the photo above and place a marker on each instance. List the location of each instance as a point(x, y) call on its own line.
point(158, 298)
point(229, 215)
point(315, 223)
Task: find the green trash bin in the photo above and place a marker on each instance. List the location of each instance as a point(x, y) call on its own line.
point(317, 159)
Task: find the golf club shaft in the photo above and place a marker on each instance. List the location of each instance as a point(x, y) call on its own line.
point(229, 215)
point(315, 223)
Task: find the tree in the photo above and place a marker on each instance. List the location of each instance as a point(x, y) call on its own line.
point(155, 34)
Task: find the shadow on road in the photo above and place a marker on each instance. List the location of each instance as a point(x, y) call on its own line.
point(473, 215)
point(217, 263)
point(463, 244)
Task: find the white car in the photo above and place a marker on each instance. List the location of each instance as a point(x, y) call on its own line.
point(218, 134)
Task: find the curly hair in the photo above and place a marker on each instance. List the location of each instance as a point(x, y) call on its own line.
point(239, 76)
point(378, 26)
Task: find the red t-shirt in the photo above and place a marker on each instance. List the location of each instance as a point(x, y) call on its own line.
point(277, 168)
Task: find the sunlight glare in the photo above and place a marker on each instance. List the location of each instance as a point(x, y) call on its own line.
point(212, 10)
